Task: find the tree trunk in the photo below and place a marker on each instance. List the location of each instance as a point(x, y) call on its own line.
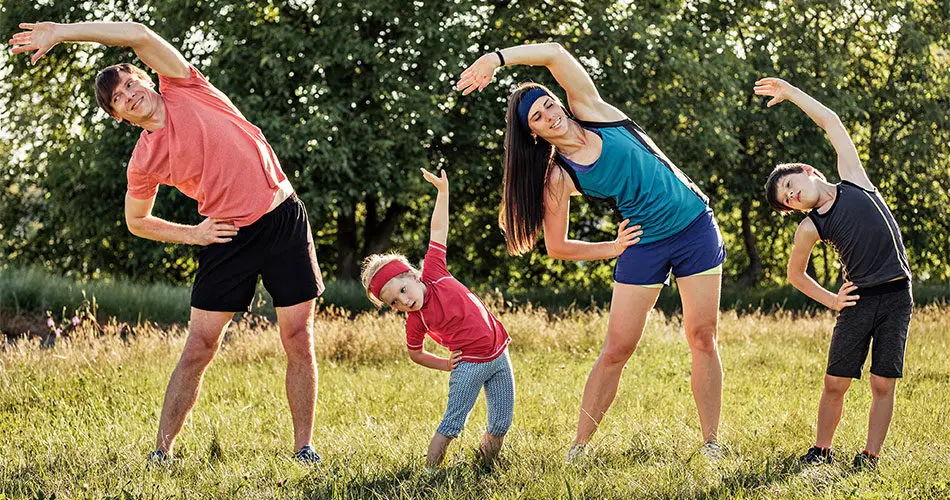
point(751, 274)
point(379, 233)
point(347, 247)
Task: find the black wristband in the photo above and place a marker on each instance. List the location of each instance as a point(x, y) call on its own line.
point(500, 57)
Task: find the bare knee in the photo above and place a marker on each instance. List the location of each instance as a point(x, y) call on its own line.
point(618, 352)
point(702, 339)
point(882, 387)
point(836, 386)
point(198, 352)
point(298, 343)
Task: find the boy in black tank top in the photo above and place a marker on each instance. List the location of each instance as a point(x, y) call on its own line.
point(875, 302)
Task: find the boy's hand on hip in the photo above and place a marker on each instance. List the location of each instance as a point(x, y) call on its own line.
point(453, 361)
point(843, 299)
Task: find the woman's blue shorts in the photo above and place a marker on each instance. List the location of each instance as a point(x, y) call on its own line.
point(697, 249)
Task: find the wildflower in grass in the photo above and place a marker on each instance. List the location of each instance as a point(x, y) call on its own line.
point(50, 323)
point(75, 320)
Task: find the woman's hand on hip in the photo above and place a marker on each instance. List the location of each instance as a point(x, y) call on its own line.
point(626, 236)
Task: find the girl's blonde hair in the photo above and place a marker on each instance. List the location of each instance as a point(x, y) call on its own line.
point(372, 264)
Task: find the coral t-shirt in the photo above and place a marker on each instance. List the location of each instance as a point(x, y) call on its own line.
point(209, 151)
point(453, 316)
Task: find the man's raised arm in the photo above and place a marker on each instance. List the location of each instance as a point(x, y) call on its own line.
point(152, 49)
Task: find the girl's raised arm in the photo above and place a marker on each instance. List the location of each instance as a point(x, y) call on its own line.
point(439, 227)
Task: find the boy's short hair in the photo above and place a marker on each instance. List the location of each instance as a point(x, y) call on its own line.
point(372, 264)
point(108, 79)
point(771, 184)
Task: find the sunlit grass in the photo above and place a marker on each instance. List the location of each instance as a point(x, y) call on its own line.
point(77, 420)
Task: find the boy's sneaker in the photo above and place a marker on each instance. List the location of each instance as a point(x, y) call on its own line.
point(160, 458)
point(307, 456)
point(712, 451)
point(817, 456)
point(865, 461)
point(577, 455)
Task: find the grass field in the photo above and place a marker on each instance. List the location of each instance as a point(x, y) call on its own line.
point(77, 420)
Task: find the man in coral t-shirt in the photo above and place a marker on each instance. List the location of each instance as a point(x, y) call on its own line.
point(196, 140)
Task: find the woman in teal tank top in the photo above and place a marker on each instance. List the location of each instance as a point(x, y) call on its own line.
point(599, 152)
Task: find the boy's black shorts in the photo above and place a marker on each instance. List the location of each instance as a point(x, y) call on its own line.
point(882, 314)
point(278, 247)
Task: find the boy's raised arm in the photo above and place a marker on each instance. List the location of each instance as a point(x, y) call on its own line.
point(849, 163)
point(150, 48)
point(439, 227)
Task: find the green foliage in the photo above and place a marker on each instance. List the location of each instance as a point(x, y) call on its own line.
point(356, 96)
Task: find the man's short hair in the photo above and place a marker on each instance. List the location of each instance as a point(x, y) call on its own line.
point(108, 79)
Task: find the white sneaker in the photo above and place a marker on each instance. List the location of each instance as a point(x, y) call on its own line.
point(577, 455)
point(712, 451)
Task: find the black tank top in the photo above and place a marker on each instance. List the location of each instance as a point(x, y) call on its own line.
point(863, 231)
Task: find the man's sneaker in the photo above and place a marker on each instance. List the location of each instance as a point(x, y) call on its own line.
point(307, 456)
point(712, 451)
point(577, 455)
point(865, 461)
point(817, 456)
point(159, 457)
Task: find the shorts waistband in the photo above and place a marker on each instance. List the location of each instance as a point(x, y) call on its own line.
point(885, 288)
point(287, 201)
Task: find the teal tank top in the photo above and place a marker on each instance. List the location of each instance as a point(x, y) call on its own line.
point(638, 180)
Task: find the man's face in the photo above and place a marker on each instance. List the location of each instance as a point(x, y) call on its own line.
point(134, 100)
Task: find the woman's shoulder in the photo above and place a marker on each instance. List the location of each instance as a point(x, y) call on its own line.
point(599, 113)
point(559, 179)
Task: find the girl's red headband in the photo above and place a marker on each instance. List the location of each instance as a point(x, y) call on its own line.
point(385, 274)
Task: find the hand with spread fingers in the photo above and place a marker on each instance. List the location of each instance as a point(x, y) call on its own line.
point(214, 231)
point(453, 361)
point(626, 236)
point(38, 37)
point(776, 88)
point(479, 74)
point(843, 299)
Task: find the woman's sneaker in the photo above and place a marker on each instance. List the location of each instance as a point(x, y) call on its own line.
point(712, 451)
point(307, 456)
point(865, 461)
point(817, 456)
point(577, 455)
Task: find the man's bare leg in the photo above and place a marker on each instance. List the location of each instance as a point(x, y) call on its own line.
point(204, 337)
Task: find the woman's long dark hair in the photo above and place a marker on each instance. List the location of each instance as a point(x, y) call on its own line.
point(527, 164)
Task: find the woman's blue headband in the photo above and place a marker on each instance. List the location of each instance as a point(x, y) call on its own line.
point(526, 101)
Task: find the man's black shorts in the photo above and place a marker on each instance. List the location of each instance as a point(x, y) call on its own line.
point(882, 314)
point(278, 247)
